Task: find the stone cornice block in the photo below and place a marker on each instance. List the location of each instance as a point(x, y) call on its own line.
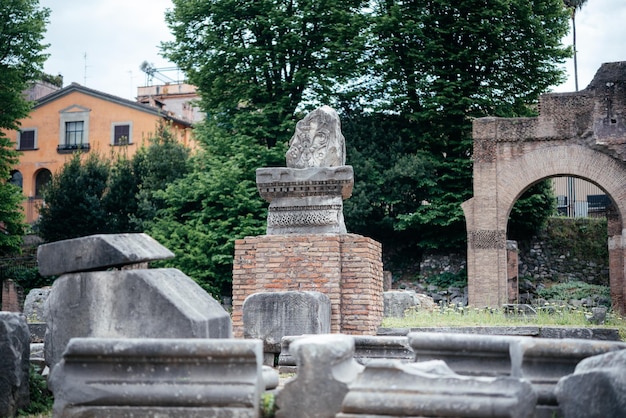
point(277, 182)
point(98, 252)
point(158, 377)
point(389, 388)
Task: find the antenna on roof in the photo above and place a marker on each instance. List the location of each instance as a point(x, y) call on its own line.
point(149, 69)
point(85, 71)
point(159, 73)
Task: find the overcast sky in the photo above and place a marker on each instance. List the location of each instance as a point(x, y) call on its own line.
point(102, 43)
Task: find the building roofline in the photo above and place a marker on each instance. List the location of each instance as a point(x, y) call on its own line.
point(75, 87)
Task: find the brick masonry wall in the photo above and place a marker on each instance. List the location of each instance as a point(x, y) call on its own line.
point(345, 267)
point(12, 296)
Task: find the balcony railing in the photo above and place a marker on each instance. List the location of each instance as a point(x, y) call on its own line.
point(69, 148)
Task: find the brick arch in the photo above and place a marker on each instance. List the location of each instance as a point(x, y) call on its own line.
point(579, 134)
point(573, 160)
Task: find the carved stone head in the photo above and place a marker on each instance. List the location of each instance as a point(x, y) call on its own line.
point(318, 141)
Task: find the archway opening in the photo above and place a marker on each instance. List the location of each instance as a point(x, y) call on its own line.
point(16, 179)
point(42, 178)
point(562, 254)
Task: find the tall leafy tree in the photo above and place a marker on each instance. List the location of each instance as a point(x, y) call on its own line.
point(254, 61)
point(21, 61)
point(154, 166)
point(443, 63)
point(73, 200)
point(213, 205)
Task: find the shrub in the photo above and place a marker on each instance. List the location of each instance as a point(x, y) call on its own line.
point(574, 290)
point(41, 399)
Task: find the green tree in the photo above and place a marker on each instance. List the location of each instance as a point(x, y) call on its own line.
point(531, 211)
point(92, 194)
point(443, 63)
point(392, 176)
point(254, 62)
point(120, 199)
point(155, 166)
point(213, 205)
point(21, 61)
point(73, 200)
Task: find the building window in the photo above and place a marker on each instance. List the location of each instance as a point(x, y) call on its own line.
point(42, 179)
point(16, 178)
point(27, 140)
point(74, 133)
point(121, 134)
point(74, 129)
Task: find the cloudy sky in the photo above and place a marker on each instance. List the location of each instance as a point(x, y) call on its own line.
point(102, 43)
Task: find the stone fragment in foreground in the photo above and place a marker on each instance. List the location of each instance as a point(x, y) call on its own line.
point(596, 389)
point(185, 378)
point(544, 361)
point(325, 369)
point(14, 363)
point(389, 388)
point(541, 361)
point(271, 316)
point(155, 303)
point(366, 349)
point(98, 252)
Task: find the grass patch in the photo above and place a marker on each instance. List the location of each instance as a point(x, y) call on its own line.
point(548, 315)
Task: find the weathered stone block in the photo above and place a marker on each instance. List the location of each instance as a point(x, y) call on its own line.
point(540, 361)
point(34, 304)
point(366, 349)
point(396, 302)
point(155, 303)
point(389, 388)
point(325, 368)
point(273, 315)
point(14, 363)
point(318, 141)
point(158, 377)
point(544, 361)
point(98, 252)
point(466, 354)
point(596, 389)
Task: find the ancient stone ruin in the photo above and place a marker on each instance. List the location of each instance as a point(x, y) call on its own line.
point(122, 303)
point(579, 134)
point(124, 340)
point(307, 247)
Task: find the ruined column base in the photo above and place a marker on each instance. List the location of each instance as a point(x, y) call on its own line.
point(345, 267)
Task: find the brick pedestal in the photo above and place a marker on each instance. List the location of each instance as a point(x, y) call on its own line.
point(345, 267)
point(12, 296)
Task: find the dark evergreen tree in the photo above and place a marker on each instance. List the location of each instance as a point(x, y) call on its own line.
point(154, 166)
point(92, 194)
point(21, 61)
point(120, 199)
point(73, 200)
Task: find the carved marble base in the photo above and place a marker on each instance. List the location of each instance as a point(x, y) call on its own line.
point(305, 201)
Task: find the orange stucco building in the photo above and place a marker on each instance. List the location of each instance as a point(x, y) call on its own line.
point(79, 119)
